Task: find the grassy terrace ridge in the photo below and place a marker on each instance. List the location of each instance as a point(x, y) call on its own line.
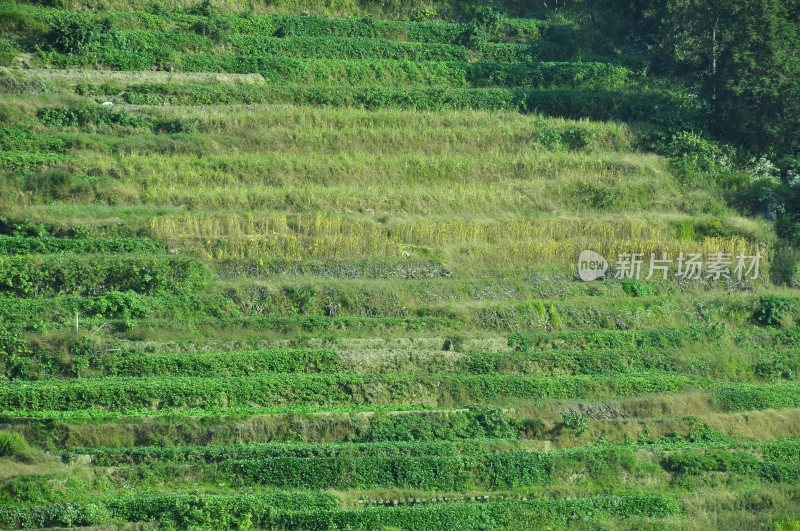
point(314, 265)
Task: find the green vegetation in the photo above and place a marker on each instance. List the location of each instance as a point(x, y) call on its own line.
point(312, 265)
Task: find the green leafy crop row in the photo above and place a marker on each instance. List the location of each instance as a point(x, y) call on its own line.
point(283, 389)
point(749, 397)
point(178, 510)
point(699, 462)
point(506, 470)
point(220, 453)
point(483, 443)
point(217, 364)
point(21, 245)
point(92, 116)
point(47, 275)
point(267, 511)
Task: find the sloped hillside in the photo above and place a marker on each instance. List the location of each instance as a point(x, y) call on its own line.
point(316, 266)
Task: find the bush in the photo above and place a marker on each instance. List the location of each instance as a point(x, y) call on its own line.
point(696, 160)
point(775, 366)
point(319, 511)
point(32, 230)
point(300, 298)
point(772, 310)
point(60, 183)
point(576, 138)
point(88, 115)
point(172, 126)
point(597, 196)
point(636, 288)
point(427, 466)
point(474, 37)
point(489, 422)
point(72, 33)
point(19, 139)
point(575, 422)
point(520, 342)
point(15, 446)
point(15, 354)
point(8, 52)
point(216, 27)
point(119, 304)
point(760, 196)
point(485, 19)
point(426, 14)
point(55, 183)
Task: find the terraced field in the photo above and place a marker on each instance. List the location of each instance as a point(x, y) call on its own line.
point(319, 271)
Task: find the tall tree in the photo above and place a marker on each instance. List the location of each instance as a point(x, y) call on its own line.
point(745, 57)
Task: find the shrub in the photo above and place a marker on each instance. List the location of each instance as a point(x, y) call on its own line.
point(203, 9)
point(23, 162)
point(775, 366)
point(576, 138)
point(88, 115)
point(520, 342)
point(565, 36)
point(119, 304)
point(575, 422)
point(302, 510)
point(426, 14)
point(55, 183)
point(72, 33)
point(321, 389)
point(15, 354)
point(300, 298)
point(32, 230)
point(760, 196)
point(454, 343)
point(695, 159)
point(596, 196)
point(474, 37)
point(173, 126)
point(772, 310)
point(15, 446)
point(218, 28)
point(636, 288)
point(489, 422)
point(8, 52)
